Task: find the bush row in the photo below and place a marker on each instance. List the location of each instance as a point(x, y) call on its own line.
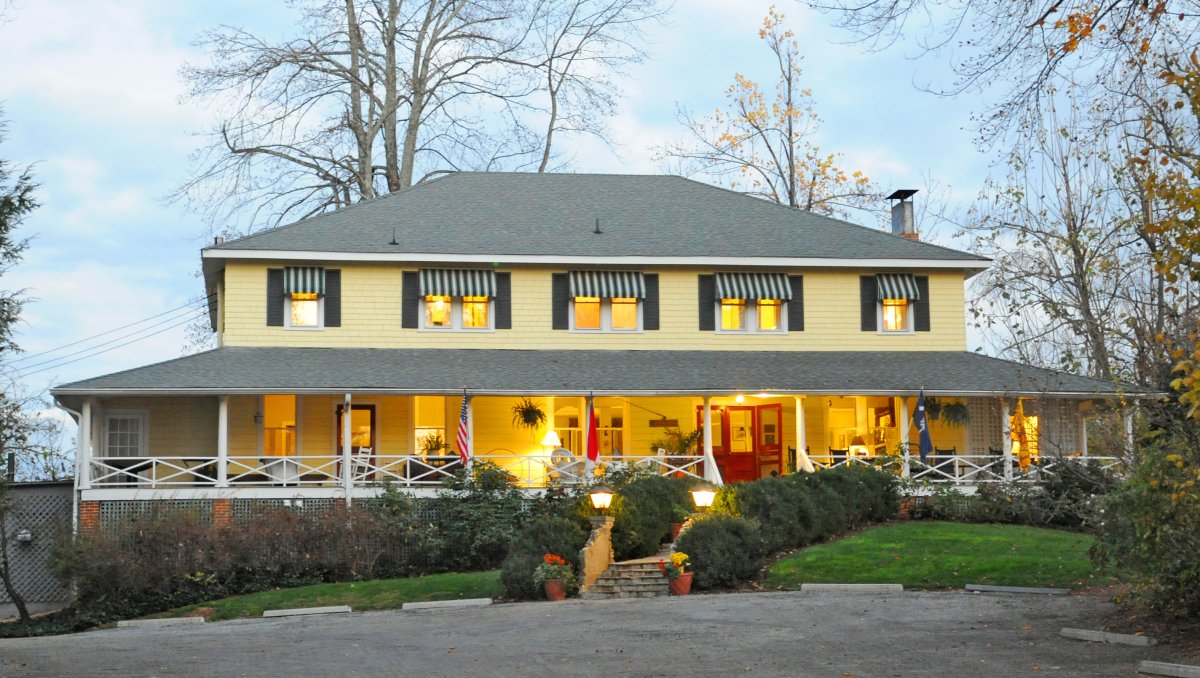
point(1071, 498)
point(753, 519)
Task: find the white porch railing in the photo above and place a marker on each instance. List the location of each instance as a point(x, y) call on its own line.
point(410, 470)
point(966, 469)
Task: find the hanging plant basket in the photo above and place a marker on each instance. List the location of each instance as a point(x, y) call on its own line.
point(955, 415)
point(528, 415)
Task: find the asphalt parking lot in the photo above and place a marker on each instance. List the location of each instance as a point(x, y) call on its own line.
point(944, 634)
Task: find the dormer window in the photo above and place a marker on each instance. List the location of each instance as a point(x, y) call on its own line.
point(457, 299)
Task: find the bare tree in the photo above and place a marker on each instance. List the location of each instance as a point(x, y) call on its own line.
point(378, 94)
point(764, 147)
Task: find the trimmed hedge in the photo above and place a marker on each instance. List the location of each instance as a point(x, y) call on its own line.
point(725, 551)
point(560, 536)
point(643, 511)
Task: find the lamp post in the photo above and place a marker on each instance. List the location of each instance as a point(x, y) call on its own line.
point(601, 496)
point(703, 495)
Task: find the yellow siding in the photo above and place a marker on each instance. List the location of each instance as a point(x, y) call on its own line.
point(371, 316)
point(179, 426)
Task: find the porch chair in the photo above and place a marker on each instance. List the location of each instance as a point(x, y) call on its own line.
point(565, 465)
point(361, 467)
point(940, 456)
point(838, 456)
point(657, 463)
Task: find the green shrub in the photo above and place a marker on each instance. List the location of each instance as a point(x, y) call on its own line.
point(725, 551)
point(782, 509)
point(560, 536)
point(829, 507)
point(643, 511)
point(1151, 526)
point(475, 519)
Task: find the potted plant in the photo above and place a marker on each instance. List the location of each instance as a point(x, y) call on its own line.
point(528, 415)
point(555, 576)
point(679, 577)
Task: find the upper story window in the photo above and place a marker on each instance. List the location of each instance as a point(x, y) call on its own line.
point(752, 302)
point(304, 297)
point(895, 303)
point(457, 299)
point(606, 301)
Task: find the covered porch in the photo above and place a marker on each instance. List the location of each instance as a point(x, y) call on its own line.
point(272, 422)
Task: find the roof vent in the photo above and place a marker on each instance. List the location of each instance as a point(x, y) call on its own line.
point(217, 240)
point(902, 214)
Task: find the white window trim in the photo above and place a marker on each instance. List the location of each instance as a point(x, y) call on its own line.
point(143, 440)
point(909, 316)
point(287, 315)
point(752, 319)
point(605, 319)
point(456, 316)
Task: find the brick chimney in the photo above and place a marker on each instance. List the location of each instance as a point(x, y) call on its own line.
point(902, 214)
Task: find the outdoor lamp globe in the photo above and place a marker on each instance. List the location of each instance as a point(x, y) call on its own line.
point(703, 495)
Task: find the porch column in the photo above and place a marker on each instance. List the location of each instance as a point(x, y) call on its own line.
point(803, 463)
point(223, 441)
point(710, 462)
point(1082, 433)
point(1127, 415)
point(1006, 438)
point(83, 463)
point(347, 473)
point(904, 431)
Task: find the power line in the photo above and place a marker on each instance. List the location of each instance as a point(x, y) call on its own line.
point(185, 321)
point(177, 316)
point(28, 356)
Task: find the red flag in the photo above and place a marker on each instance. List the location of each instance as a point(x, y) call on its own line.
point(464, 437)
point(593, 440)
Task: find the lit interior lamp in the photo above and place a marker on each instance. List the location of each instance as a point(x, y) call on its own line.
point(858, 447)
point(703, 495)
point(551, 440)
point(601, 496)
point(739, 399)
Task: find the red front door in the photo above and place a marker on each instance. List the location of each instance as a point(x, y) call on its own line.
point(746, 440)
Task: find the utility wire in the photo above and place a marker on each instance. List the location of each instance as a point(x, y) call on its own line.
point(185, 321)
point(189, 304)
point(177, 316)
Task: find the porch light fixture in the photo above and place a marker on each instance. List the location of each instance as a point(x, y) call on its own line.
point(258, 417)
point(739, 399)
point(703, 495)
point(551, 439)
point(858, 447)
point(601, 496)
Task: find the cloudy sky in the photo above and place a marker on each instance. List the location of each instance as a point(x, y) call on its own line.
point(91, 92)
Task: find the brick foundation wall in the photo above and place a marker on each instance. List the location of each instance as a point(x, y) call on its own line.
point(89, 516)
point(222, 511)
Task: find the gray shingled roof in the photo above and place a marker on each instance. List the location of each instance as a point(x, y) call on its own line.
point(337, 370)
point(555, 214)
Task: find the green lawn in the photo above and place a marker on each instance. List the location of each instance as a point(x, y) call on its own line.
point(933, 555)
point(379, 594)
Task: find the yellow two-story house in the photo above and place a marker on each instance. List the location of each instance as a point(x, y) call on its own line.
point(354, 346)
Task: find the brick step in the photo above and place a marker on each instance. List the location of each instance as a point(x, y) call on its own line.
point(592, 594)
point(632, 583)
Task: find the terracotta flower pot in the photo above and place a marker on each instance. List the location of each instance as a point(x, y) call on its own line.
point(555, 590)
point(675, 528)
point(681, 585)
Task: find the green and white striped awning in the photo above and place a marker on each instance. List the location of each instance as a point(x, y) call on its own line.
point(458, 282)
point(608, 284)
point(897, 286)
point(303, 280)
point(753, 286)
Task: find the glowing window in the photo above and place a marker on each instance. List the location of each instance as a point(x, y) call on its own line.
point(304, 310)
point(587, 313)
point(475, 312)
point(437, 310)
point(624, 313)
point(895, 315)
point(768, 315)
point(733, 314)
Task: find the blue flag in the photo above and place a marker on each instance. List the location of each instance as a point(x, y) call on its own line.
point(923, 427)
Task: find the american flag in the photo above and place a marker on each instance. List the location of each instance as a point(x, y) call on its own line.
point(464, 437)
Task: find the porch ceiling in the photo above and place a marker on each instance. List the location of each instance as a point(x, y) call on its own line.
point(233, 370)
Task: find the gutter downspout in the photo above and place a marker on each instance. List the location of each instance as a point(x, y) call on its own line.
point(75, 481)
